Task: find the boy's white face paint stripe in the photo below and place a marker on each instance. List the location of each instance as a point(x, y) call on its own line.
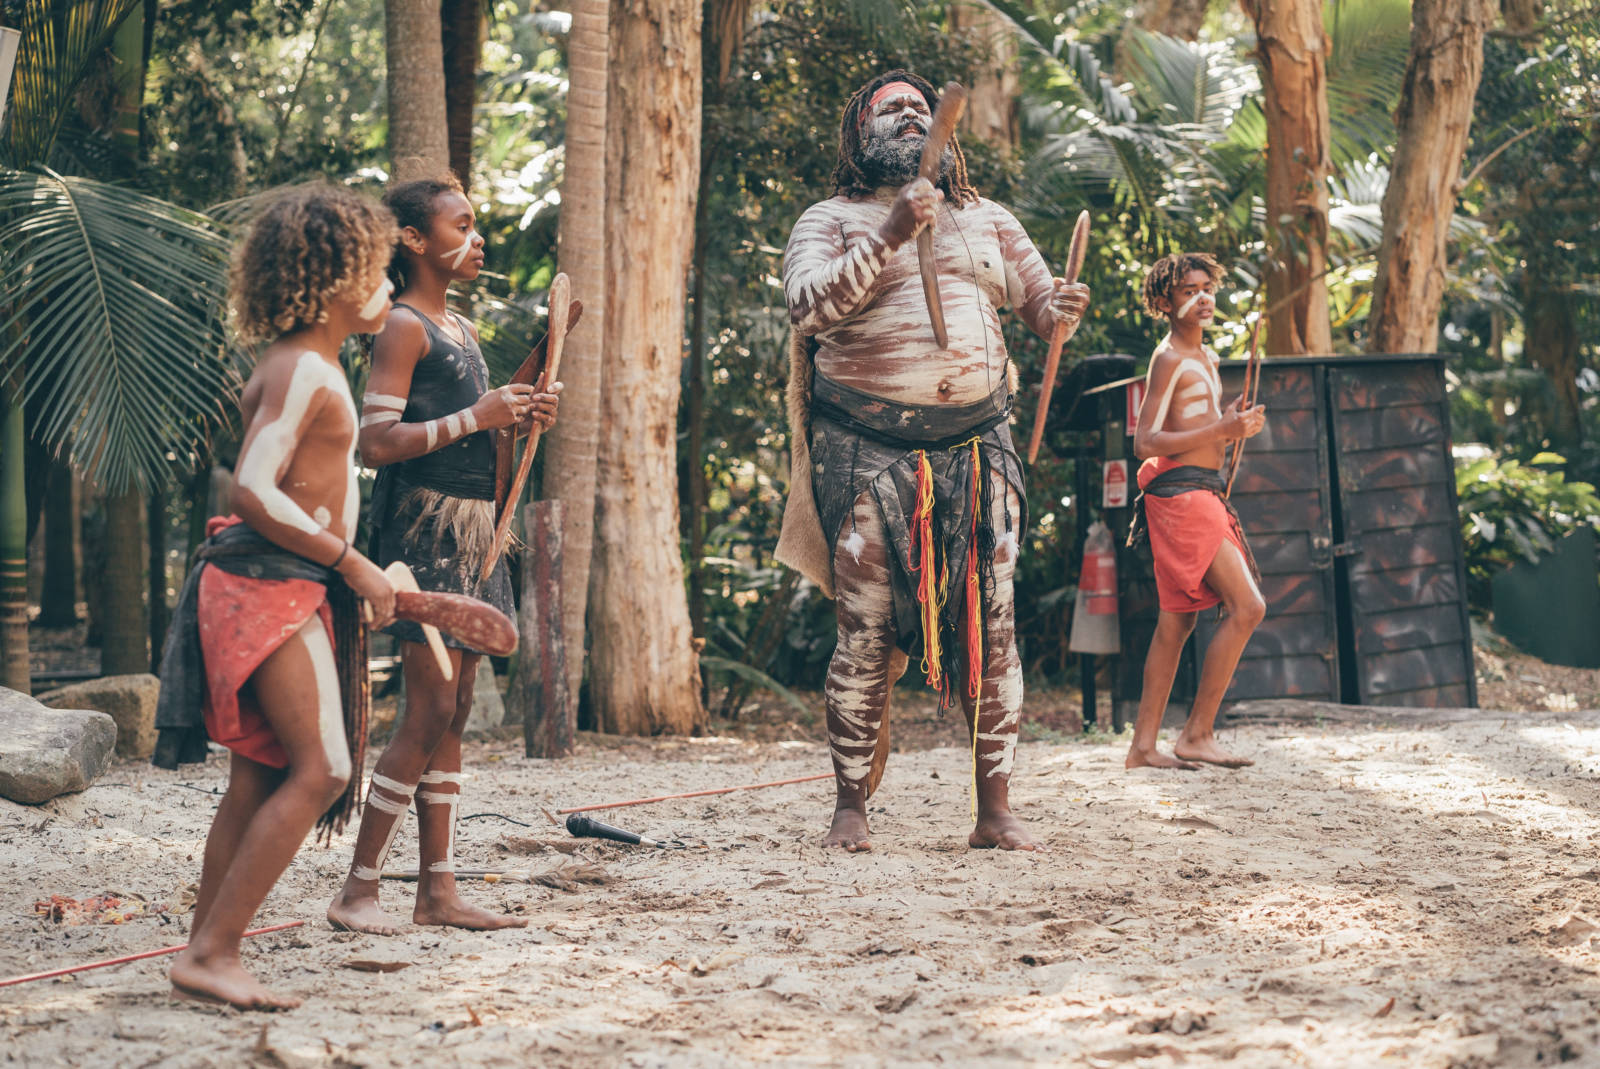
point(274, 444)
point(375, 302)
point(458, 255)
point(1186, 306)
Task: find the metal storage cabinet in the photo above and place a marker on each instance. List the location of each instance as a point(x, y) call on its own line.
point(1348, 499)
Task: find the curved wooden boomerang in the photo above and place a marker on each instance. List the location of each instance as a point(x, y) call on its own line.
point(528, 373)
point(1252, 390)
point(560, 298)
point(1058, 335)
point(952, 104)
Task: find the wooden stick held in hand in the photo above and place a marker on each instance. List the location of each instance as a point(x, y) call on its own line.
point(560, 295)
point(1058, 335)
point(952, 103)
point(404, 582)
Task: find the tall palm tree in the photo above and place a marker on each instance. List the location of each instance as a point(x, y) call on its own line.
point(110, 325)
point(572, 452)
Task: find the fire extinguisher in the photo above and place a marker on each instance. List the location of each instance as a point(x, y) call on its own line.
point(1094, 613)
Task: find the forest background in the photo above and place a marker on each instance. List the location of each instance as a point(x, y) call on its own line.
point(141, 130)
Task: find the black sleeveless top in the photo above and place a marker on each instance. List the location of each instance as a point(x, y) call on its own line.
point(451, 376)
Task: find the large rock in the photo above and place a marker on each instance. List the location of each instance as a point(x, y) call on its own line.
point(488, 707)
point(129, 700)
point(45, 752)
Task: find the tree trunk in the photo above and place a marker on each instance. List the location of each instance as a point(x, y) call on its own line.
point(991, 112)
point(124, 648)
point(571, 446)
point(694, 491)
point(58, 601)
point(13, 546)
point(418, 129)
point(1434, 118)
point(463, 40)
point(1292, 50)
point(646, 680)
point(1552, 344)
point(1175, 18)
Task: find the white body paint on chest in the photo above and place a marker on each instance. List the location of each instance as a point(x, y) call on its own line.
point(271, 449)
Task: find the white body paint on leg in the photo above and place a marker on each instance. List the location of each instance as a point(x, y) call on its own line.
point(452, 799)
point(395, 806)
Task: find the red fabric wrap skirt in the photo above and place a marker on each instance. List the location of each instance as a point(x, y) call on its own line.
point(1186, 532)
point(242, 621)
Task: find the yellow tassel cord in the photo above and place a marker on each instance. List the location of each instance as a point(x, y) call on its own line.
point(975, 617)
point(930, 587)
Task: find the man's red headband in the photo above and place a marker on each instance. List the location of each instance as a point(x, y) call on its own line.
point(892, 89)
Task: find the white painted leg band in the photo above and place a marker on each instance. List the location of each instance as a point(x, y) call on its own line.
point(361, 872)
point(386, 805)
point(447, 865)
point(441, 777)
point(379, 780)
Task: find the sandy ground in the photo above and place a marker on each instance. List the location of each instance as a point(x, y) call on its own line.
point(1364, 896)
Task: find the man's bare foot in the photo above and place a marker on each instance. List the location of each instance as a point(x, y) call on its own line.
point(849, 830)
point(1208, 751)
point(448, 911)
point(223, 981)
point(350, 914)
point(1153, 758)
point(1000, 830)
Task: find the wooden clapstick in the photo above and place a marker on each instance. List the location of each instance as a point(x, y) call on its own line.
point(504, 444)
point(404, 582)
point(952, 104)
point(1058, 335)
point(560, 296)
point(468, 620)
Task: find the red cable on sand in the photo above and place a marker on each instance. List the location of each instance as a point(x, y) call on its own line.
point(130, 957)
point(697, 794)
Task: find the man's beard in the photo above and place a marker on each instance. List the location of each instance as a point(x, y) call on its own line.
point(886, 161)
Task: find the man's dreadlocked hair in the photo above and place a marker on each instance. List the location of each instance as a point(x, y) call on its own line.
point(413, 205)
point(1166, 273)
point(848, 179)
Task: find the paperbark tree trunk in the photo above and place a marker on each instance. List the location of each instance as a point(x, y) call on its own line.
point(414, 57)
point(124, 647)
point(1434, 119)
point(571, 446)
point(462, 24)
point(646, 674)
point(992, 98)
point(1175, 18)
point(1553, 345)
point(1291, 48)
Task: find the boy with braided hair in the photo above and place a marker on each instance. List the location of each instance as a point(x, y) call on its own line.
point(1201, 557)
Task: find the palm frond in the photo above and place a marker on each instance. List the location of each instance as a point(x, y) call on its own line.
point(1370, 42)
point(60, 40)
point(113, 316)
point(1190, 82)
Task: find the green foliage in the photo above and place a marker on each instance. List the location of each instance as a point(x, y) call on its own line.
point(1513, 511)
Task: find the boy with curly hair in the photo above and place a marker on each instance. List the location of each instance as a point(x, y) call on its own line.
point(267, 652)
point(1201, 557)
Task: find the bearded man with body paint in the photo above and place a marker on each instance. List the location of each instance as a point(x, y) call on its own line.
point(906, 502)
point(1201, 556)
point(267, 652)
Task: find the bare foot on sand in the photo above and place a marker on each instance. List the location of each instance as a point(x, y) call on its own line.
point(1153, 758)
point(1000, 831)
point(1208, 751)
point(448, 911)
point(849, 830)
point(350, 914)
point(223, 981)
